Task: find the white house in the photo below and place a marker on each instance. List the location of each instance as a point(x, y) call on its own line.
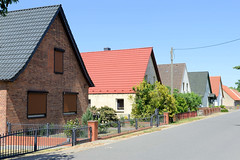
point(217, 89)
point(115, 72)
point(180, 76)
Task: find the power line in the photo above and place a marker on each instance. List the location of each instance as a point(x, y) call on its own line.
point(208, 46)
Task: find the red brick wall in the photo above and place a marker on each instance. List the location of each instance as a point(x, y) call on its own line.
point(3, 105)
point(39, 75)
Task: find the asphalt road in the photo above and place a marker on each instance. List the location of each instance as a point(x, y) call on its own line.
point(216, 138)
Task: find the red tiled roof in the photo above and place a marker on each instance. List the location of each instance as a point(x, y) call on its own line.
point(117, 71)
point(215, 83)
point(234, 94)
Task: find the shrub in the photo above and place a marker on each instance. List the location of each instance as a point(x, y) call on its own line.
point(107, 114)
point(224, 110)
point(87, 116)
point(222, 106)
point(69, 127)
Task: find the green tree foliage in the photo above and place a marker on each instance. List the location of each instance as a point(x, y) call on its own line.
point(4, 6)
point(87, 116)
point(181, 103)
point(193, 101)
point(238, 85)
point(237, 67)
point(151, 96)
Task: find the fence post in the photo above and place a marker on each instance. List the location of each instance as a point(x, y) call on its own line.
point(166, 117)
point(9, 127)
point(73, 137)
point(47, 129)
point(94, 126)
point(151, 121)
point(119, 127)
point(129, 117)
point(136, 123)
point(35, 140)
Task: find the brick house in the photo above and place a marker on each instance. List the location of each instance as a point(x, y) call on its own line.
point(42, 76)
point(115, 72)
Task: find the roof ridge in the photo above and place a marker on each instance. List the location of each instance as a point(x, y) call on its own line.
point(119, 49)
point(34, 8)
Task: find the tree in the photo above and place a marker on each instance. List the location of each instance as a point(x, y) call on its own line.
point(238, 85)
point(237, 67)
point(238, 82)
point(193, 101)
point(150, 97)
point(4, 6)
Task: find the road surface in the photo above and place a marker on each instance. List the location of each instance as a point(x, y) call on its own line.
point(216, 138)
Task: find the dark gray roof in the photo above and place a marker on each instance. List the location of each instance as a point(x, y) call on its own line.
point(198, 82)
point(21, 34)
point(178, 72)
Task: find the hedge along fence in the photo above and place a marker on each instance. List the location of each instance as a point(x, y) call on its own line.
point(205, 111)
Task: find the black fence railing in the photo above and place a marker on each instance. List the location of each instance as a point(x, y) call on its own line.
point(24, 141)
point(128, 125)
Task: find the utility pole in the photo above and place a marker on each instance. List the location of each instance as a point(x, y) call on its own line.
point(171, 52)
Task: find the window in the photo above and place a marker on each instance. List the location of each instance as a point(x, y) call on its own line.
point(37, 104)
point(69, 102)
point(187, 87)
point(89, 103)
point(183, 86)
point(58, 60)
point(146, 78)
point(120, 104)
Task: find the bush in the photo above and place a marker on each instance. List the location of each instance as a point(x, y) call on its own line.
point(69, 127)
point(224, 110)
point(223, 107)
point(87, 116)
point(107, 114)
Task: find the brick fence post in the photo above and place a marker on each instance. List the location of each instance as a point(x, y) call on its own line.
point(166, 117)
point(94, 125)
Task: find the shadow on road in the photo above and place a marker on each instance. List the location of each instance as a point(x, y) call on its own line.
point(46, 156)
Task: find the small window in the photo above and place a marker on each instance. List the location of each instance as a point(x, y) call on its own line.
point(146, 78)
point(89, 103)
point(120, 104)
point(69, 103)
point(37, 104)
point(183, 86)
point(58, 61)
point(187, 87)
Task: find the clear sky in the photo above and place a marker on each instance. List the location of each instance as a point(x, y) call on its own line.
point(162, 24)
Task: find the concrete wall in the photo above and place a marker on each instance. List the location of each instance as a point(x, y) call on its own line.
point(187, 87)
point(109, 100)
point(39, 76)
point(150, 72)
point(227, 100)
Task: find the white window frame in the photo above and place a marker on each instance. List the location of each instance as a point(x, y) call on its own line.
point(117, 104)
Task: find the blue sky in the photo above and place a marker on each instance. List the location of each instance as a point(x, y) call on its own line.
point(123, 24)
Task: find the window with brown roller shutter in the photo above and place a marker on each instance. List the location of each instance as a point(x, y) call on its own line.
point(58, 60)
point(37, 104)
point(69, 103)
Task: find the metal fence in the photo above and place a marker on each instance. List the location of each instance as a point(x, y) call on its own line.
point(24, 141)
point(106, 130)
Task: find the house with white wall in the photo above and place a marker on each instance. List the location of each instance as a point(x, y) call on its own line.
point(200, 84)
point(180, 76)
point(231, 97)
point(115, 72)
point(217, 89)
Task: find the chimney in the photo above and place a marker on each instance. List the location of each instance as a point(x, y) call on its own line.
point(107, 49)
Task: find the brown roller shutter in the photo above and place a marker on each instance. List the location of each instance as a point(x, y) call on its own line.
point(58, 64)
point(70, 103)
point(37, 103)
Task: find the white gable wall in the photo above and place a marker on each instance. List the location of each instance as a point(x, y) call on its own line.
point(110, 100)
point(205, 101)
point(186, 88)
point(150, 74)
point(227, 100)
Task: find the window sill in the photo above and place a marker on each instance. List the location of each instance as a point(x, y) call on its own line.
point(120, 111)
point(37, 116)
point(70, 113)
